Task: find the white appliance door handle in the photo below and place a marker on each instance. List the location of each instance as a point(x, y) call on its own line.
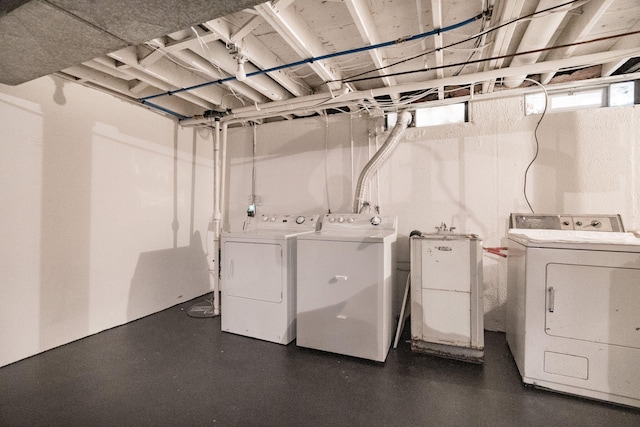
point(230, 269)
point(552, 293)
point(340, 277)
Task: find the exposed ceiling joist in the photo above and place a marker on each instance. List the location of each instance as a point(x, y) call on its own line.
point(302, 40)
point(504, 11)
point(368, 31)
point(259, 55)
point(182, 58)
point(436, 13)
point(577, 31)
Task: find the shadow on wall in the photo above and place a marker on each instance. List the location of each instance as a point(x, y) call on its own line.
point(158, 273)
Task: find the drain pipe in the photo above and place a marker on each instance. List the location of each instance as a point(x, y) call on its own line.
point(217, 217)
point(381, 155)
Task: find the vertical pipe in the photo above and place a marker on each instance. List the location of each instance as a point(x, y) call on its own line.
point(216, 218)
point(222, 180)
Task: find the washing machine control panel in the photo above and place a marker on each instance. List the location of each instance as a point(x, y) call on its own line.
point(358, 222)
point(282, 221)
point(611, 223)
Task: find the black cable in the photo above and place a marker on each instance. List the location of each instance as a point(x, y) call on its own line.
point(510, 55)
point(350, 79)
point(537, 150)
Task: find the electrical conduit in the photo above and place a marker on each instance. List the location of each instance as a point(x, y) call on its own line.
point(381, 155)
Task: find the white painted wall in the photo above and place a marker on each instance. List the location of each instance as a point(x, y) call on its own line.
point(105, 211)
point(469, 176)
point(106, 206)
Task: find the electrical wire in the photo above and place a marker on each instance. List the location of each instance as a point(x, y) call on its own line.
point(323, 57)
point(247, 218)
point(536, 13)
point(537, 145)
point(358, 50)
point(510, 55)
point(326, 161)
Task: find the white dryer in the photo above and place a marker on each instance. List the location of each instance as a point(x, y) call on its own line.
point(348, 299)
point(573, 298)
point(259, 274)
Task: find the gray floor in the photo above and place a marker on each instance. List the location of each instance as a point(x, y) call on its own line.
point(170, 369)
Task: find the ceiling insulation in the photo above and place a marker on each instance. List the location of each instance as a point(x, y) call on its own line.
point(41, 37)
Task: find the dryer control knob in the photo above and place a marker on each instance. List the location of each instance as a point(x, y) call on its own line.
point(376, 220)
point(350, 220)
point(341, 220)
point(332, 219)
point(272, 219)
point(300, 219)
point(265, 218)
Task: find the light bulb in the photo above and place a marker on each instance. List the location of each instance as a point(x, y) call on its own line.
point(241, 75)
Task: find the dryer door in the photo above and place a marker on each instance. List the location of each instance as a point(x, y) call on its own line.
point(594, 303)
point(253, 270)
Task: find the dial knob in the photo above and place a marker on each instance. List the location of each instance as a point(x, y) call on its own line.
point(272, 219)
point(341, 220)
point(265, 218)
point(350, 220)
point(376, 220)
point(596, 223)
point(579, 223)
point(332, 219)
point(300, 219)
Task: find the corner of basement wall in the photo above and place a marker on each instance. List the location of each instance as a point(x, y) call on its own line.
point(105, 217)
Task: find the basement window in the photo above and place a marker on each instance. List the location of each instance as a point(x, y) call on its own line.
point(442, 115)
point(434, 116)
point(613, 95)
point(621, 94)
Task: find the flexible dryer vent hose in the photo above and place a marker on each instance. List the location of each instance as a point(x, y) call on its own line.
point(381, 155)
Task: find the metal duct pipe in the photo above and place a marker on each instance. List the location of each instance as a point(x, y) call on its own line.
point(381, 155)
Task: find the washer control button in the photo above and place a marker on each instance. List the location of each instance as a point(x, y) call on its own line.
point(332, 219)
point(341, 219)
point(350, 220)
point(300, 219)
point(376, 220)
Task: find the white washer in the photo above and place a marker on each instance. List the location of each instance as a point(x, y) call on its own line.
point(258, 277)
point(347, 296)
point(573, 317)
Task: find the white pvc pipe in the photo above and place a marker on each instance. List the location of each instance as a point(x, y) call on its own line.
point(220, 184)
point(381, 155)
point(201, 121)
point(217, 216)
point(322, 101)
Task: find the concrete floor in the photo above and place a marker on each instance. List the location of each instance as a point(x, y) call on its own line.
point(170, 369)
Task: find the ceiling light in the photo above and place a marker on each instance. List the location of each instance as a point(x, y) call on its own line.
point(241, 74)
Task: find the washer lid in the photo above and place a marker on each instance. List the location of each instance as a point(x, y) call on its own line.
point(365, 236)
point(575, 239)
point(283, 233)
